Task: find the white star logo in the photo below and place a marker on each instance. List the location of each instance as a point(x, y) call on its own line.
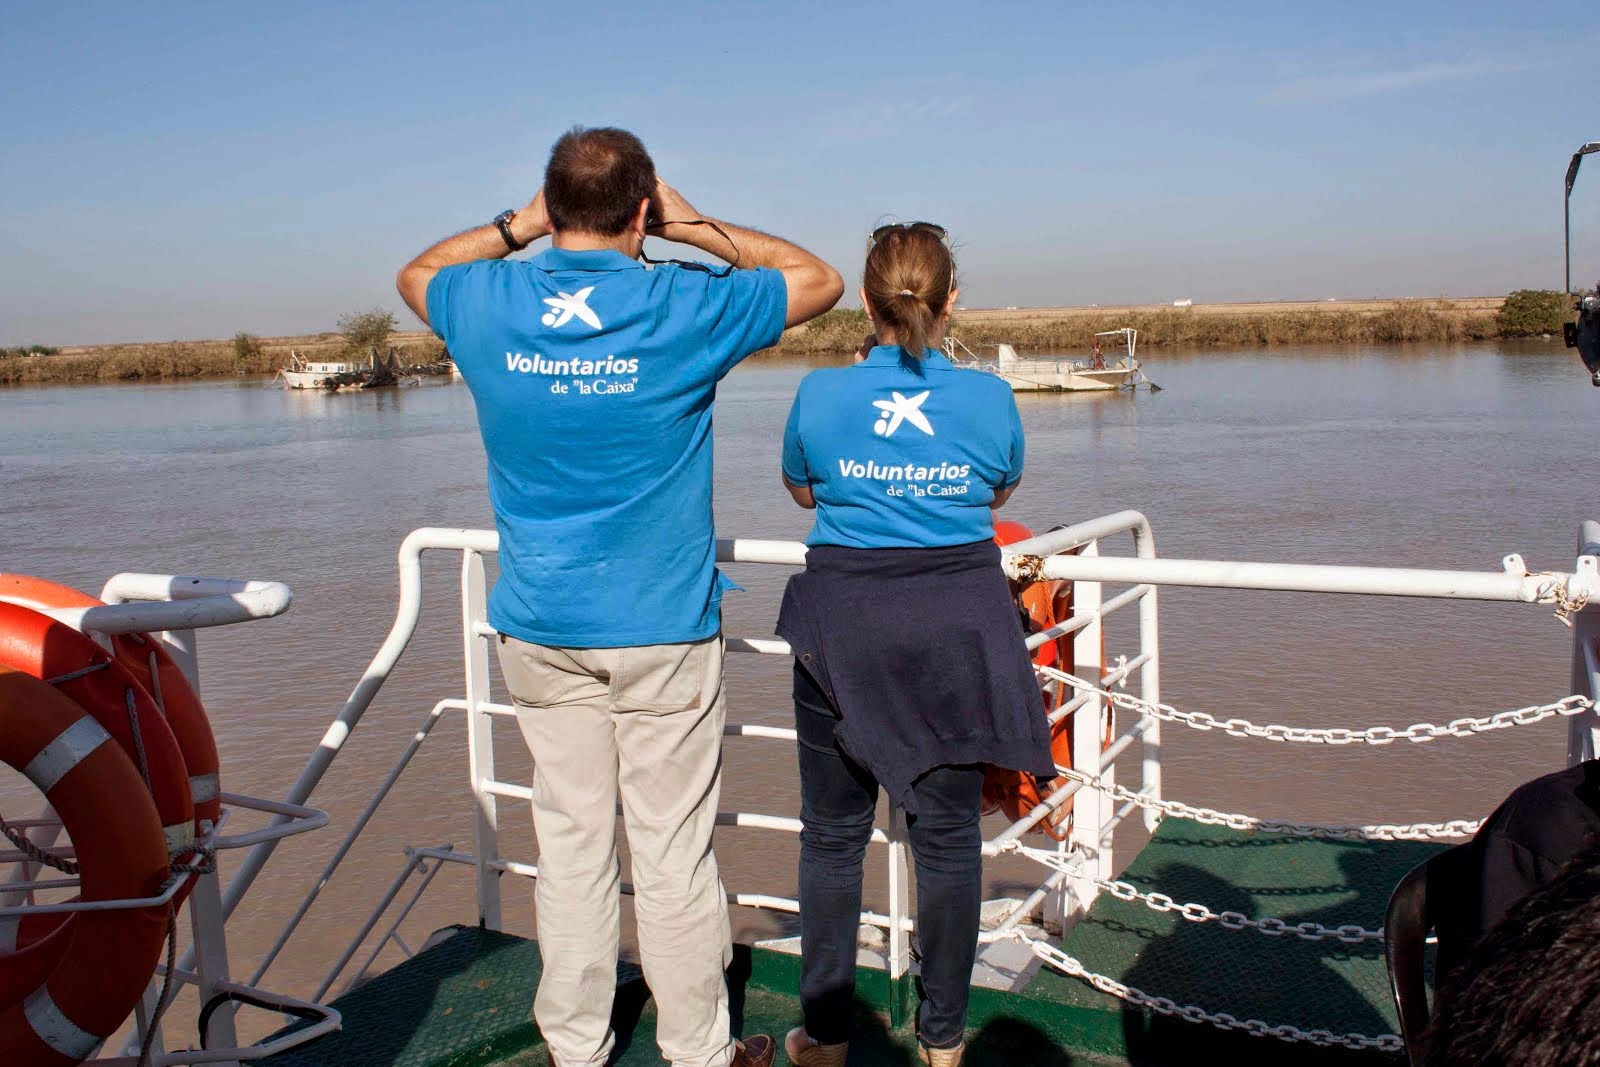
point(901, 409)
point(568, 305)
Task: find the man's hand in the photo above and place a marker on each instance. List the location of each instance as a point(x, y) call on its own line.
point(533, 221)
point(668, 207)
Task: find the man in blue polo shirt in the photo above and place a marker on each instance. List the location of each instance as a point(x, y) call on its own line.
point(594, 379)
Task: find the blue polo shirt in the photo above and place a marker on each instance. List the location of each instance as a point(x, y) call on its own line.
point(594, 380)
point(902, 454)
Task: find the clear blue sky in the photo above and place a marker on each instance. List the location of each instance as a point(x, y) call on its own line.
point(186, 170)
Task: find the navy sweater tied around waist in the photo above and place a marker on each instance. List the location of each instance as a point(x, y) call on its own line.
point(921, 652)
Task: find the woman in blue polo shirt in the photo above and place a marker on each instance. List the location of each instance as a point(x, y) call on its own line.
point(910, 667)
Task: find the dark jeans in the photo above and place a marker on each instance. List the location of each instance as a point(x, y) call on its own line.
point(837, 800)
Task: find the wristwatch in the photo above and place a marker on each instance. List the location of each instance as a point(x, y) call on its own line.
point(502, 222)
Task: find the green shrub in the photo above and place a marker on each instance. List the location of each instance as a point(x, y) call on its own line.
point(366, 329)
point(247, 352)
point(1531, 312)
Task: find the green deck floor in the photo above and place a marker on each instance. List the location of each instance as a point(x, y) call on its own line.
point(1327, 985)
point(466, 1001)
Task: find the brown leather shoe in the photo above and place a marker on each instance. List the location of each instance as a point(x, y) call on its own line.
point(756, 1051)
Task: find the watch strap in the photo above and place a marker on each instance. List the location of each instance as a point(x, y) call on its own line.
point(502, 222)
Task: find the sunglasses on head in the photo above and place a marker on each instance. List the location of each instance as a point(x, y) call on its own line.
point(926, 227)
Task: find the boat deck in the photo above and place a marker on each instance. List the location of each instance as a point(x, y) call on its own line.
point(466, 1002)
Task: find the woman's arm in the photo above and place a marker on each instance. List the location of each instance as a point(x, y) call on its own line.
point(802, 495)
point(1016, 451)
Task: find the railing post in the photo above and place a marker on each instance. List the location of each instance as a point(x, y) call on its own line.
point(207, 924)
point(1090, 808)
point(1583, 731)
point(207, 920)
point(1150, 689)
point(900, 986)
point(480, 738)
point(183, 647)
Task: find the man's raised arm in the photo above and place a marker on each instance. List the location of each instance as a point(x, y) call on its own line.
point(484, 242)
point(813, 286)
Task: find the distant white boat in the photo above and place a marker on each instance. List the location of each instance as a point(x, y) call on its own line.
point(1049, 374)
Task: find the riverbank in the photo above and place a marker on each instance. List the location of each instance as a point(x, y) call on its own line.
point(838, 332)
point(1034, 330)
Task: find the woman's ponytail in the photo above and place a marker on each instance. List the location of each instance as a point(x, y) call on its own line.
point(908, 280)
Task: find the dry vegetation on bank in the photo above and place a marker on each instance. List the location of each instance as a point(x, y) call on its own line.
point(174, 360)
point(838, 332)
point(1071, 329)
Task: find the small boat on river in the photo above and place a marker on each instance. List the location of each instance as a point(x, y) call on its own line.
point(374, 372)
point(1099, 372)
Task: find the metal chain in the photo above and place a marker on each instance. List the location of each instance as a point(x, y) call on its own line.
point(1417, 831)
point(1349, 933)
point(1193, 1013)
point(1558, 591)
point(1372, 735)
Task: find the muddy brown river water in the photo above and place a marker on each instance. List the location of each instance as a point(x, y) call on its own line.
point(1448, 457)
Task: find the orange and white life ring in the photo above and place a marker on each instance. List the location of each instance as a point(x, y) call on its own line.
point(1044, 604)
point(121, 854)
point(81, 670)
point(161, 677)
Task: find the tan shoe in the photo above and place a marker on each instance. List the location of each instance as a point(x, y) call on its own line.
point(804, 1051)
point(755, 1051)
point(941, 1057)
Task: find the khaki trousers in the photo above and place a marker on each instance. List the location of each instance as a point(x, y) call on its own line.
point(643, 724)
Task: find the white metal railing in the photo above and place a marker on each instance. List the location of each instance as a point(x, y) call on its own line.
point(1077, 870)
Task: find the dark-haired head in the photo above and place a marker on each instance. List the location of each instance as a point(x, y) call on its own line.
point(1526, 995)
point(596, 179)
point(908, 285)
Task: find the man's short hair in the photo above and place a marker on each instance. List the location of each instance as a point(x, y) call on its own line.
point(595, 180)
point(1526, 995)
